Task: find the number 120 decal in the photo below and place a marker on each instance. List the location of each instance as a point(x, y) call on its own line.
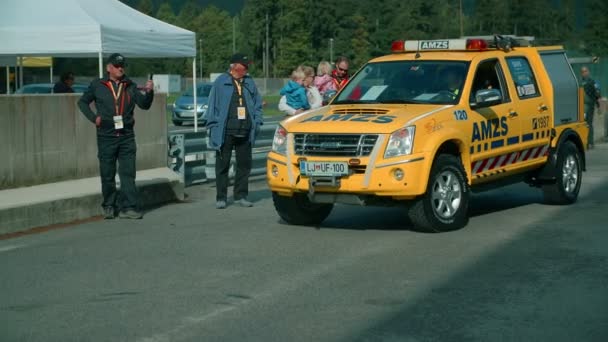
point(460, 115)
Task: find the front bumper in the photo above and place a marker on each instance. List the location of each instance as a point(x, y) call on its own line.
point(371, 177)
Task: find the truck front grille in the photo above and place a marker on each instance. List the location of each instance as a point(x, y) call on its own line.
point(335, 145)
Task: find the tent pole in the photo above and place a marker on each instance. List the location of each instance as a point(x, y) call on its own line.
point(194, 94)
point(100, 65)
point(20, 72)
point(8, 81)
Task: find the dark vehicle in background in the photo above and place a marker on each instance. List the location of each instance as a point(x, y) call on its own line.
point(183, 108)
point(47, 88)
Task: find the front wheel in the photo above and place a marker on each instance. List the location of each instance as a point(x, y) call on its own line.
point(569, 173)
point(299, 210)
point(445, 204)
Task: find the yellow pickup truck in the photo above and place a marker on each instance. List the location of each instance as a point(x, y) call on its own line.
point(431, 122)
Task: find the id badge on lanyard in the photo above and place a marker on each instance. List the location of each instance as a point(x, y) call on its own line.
point(241, 112)
point(118, 122)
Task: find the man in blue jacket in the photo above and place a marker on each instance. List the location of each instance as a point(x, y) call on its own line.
point(233, 118)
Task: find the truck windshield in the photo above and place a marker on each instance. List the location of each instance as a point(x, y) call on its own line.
point(418, 82)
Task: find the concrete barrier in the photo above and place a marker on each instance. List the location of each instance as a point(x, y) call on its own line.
point(45, 139)
point(49, 173)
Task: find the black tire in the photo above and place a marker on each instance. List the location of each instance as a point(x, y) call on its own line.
point(569, 176)
point(427, 213)
point(177, 123)
point(299, 210)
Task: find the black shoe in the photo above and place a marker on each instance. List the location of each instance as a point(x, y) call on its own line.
point(108, 213)
point(130, 214)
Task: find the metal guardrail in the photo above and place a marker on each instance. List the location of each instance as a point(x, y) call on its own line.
point(190, 157)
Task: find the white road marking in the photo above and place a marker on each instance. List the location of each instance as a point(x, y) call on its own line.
point(10, 248)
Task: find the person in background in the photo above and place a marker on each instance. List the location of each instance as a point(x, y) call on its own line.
point(233, 118)
point(324, 81)
point(295, 93)
point(340, 73)
point(65, 83)
point(115, 97)
point(312, 93)
point(592, 96)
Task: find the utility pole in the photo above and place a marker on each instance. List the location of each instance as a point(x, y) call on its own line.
point(331, 50)
point(461, 22)
point(200, 58)
point(267, 45)
point(234, 35)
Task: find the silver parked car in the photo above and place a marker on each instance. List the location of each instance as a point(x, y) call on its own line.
point(183, 108)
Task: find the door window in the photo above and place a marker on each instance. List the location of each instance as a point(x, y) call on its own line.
point(523, 77)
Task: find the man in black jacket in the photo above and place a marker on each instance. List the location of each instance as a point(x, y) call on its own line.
point(115, 98)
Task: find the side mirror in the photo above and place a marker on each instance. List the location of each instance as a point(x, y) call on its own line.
point(487, 98)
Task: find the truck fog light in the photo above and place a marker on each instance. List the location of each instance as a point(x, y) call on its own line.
point(275, 170)
point(398, 174)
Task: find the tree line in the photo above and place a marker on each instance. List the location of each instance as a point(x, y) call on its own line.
point(308, 31)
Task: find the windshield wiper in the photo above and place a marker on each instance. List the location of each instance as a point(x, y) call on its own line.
point(355, 102)
point(404, 101)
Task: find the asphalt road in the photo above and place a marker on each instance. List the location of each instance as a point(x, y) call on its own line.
point(520, 271)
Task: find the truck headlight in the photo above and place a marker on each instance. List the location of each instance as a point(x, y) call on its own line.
point(202, 107)
point(400, 143)
point(279, 142)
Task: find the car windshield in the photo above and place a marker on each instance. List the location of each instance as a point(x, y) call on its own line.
point(418, 82)
point(201, 91)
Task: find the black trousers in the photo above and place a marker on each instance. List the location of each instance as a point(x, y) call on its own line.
point(122, 149)
point(242, 146)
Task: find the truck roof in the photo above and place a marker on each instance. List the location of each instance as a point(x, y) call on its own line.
point(456, 55)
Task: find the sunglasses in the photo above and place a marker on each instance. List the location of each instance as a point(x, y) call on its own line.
point(118, 66)
point(343, 70)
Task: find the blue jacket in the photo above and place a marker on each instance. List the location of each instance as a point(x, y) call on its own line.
point(296, 95)
point(219, 104)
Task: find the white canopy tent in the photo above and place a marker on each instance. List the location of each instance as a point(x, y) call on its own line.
point(89, 28)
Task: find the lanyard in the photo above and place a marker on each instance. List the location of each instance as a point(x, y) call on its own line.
point(116, 95)
point(239, 89)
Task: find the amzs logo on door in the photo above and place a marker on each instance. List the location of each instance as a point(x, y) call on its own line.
point(434, 44)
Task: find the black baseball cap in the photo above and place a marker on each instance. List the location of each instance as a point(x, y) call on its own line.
point(117, 59)
point(240, 59)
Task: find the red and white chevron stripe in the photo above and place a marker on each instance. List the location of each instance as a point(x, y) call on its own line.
point(509, 158)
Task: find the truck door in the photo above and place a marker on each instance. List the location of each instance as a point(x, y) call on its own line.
point(534, 111)
point(496, 128)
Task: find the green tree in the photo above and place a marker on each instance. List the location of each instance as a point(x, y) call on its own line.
point(215, 30)
point(146, 7)
point(595, 33)
point(253, 29)
point(166, 14)
point(294, 36)
point(187, 15)
point(359, 41)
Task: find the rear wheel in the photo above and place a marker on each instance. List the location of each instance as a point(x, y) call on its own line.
point(569, 176)
point(299, 210)
point(445, 204)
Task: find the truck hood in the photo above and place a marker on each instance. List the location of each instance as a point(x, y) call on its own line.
point(359, 118)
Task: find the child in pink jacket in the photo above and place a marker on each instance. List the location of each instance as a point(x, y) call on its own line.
point(324, 81)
